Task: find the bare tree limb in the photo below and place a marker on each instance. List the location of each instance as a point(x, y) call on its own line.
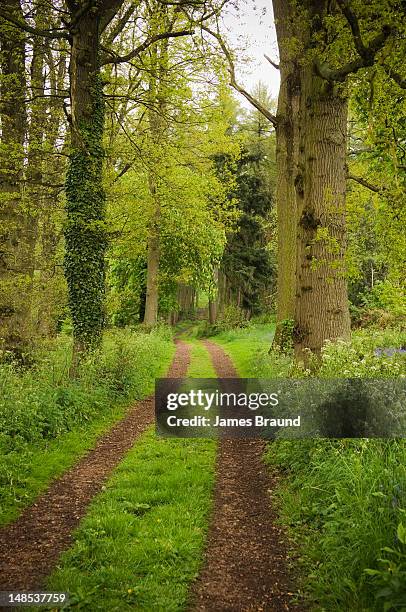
point(365, 183)
point(274, 64)
point(147, 43)
point(121, 23)
point(233, 82)
point(108, 10)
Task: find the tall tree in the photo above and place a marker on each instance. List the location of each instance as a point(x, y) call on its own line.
point(321, 45)
point(15, 256)
point(287, 156)
point(321, 311)
point(85, 232)
point(247, 271)
point(160, 20)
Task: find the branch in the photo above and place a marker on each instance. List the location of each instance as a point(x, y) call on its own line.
point(274, 64)
point(233, 82)
point(401, 81)
point(365, 183)
point(22, 25)
point(360, 150)
point(367, 59)
point(354, 25)
point(147, 43)
point(124, 169)
point(120, 25)
point(108, 10)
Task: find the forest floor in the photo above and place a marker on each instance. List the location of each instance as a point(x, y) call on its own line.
point(246, 566)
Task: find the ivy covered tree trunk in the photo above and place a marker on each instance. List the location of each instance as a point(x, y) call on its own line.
point(322, 311)
point(85, 234)
point(15, 254)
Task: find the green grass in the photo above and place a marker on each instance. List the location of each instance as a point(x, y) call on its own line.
point(29, 473)
point(41, 437)
point(141, 543)
point(343, 502)
point(244, 345)
point(200, 363)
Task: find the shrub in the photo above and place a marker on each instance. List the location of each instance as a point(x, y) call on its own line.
point(345, 499)
point(383, 305)
point(231, 317)
point(365, 355)
point(362, 356)
point(42, 403)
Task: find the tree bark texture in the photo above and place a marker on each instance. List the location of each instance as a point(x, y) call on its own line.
point(287, 151)
point(321, 311)
point(321, 303)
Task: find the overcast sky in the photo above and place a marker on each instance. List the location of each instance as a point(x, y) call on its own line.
point(252, 27)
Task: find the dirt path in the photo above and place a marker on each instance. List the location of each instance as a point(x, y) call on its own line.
point(30, 547)
point(246, 566)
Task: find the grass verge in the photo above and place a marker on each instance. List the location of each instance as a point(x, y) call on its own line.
point(343, 501)
point(47, 422)
point(244, 345)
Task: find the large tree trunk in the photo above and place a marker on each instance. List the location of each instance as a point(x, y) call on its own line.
point(311, 150)
point(287, 150)
point(85, 235)
point(15, 254)
point(322, 311)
